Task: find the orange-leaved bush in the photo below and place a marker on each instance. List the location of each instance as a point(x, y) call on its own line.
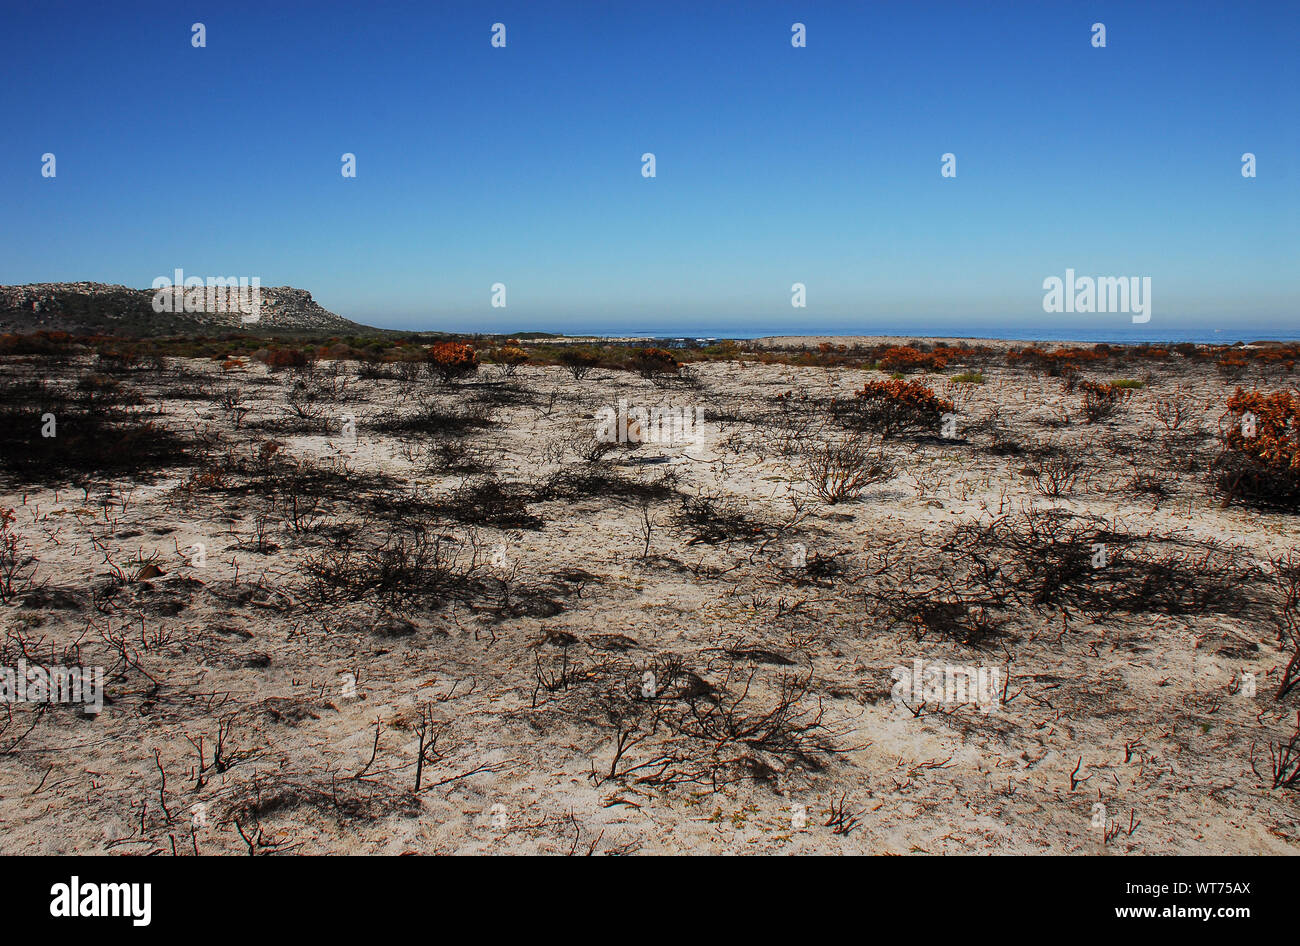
point(892, 407)
point(509, 357)
point(905, 358)
point(452, 360)
point(1260, 460)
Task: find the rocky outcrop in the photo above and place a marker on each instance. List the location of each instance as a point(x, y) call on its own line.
point(98, 308)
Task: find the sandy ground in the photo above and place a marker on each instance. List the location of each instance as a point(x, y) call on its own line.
point(245, 708)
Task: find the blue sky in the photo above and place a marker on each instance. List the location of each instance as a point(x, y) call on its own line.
point(775, 165)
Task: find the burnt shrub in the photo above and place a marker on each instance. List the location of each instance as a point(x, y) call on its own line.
point(489, 501)
point(652, 363)
point(51, 434)
point(578, 361)
point(1101, 401)
point(1056, 473)
point(434, 419)
point(86, 442)
point(840, 470)
point(17, 566)
point(416, 567)
point(282, 358)
point(710, 520)
point(54, 345)
point(980, 580)
point(586, 481)
point(1058, 363)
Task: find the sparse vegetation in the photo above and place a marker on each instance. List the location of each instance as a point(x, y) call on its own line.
point(17, 568)
point(1102, 401)
point(344, 592)
point(840, 470)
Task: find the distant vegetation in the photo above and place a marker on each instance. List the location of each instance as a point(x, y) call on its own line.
point(394, 347)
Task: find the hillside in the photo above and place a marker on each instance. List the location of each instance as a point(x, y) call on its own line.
point(96, 308)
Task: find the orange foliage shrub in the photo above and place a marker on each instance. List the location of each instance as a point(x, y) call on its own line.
point(891, 408)
point(1261, 448)
point(510, 355)
point(905, 358)
point(452, 360)
point(510, 358)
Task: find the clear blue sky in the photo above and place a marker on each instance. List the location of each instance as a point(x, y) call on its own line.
point(775, 164)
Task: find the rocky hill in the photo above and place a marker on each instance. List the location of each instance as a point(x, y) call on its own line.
point(86, 308)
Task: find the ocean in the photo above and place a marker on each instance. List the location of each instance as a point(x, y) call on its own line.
point(1225, 336)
